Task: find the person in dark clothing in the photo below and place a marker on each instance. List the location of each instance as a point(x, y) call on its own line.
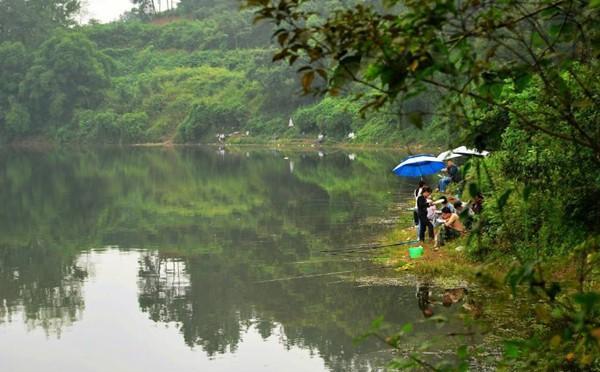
point(477, 203)
point(417, 193)
point(453, 175)
point(424, 222)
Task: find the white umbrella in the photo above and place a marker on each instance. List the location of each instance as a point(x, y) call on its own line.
point(463, 150)
point(447, 155)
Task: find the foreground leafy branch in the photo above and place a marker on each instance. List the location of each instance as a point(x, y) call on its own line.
point(469, 50)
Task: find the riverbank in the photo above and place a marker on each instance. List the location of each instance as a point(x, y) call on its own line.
point(304, 144)
point(509, 305)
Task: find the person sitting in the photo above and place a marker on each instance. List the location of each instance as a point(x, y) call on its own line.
point(465, 212)
point(451, 229)
point(446, 203)
point(459, 207)
point(453, 175)
point(477, 203)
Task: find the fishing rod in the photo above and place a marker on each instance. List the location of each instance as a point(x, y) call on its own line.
point(320, 275)
point(368, 247)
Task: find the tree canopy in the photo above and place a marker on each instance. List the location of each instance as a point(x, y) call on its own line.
point(466, 51)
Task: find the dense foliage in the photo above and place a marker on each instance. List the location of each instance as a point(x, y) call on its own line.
point(517, 77)
point(184, 74)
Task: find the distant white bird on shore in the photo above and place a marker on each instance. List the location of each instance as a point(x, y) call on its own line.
point(291, 123)
point(351, 135)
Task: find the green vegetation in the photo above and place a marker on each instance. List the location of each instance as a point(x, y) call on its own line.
point(181, 75)
point(516, 77)
point(519, 78)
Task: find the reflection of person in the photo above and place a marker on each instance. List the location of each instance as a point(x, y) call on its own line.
point(423, 299)
point(451, 229)
point(422, 206)
point(453, 295)
point(453, 175)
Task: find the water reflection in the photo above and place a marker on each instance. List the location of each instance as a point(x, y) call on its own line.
point(210, 233)
point(41, 286)
point(214, 301)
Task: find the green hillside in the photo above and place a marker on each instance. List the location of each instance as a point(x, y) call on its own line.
point(184, 75)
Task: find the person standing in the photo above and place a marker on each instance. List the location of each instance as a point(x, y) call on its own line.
point(422, 207)
point(417, 193)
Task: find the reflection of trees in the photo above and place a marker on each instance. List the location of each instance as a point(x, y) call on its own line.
point(233, 219)
point(138, 197)
point(205, 312)
point(42, 285)
point(219, 298)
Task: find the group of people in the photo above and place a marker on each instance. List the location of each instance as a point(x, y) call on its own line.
point(445, 212)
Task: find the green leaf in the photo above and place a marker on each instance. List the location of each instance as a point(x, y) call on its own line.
point(465, 169)
point(473, 189)
point(407, 328)
point(503, 199)
point(512, 349)
point(462, 352)
point(527, 192)
point(522, 81)
point(377, 323)
point(372, 72)
point(588, 300)
point(346, 70)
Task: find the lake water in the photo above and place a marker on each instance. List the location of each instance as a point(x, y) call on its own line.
point(196, 259)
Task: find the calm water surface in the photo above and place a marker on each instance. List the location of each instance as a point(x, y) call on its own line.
point(195, 259)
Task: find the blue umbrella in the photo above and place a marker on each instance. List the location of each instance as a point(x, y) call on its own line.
point(418, 166)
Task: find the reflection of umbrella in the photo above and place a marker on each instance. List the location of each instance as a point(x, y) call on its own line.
point(418, 166)
point(463, 150)
point(447, 155)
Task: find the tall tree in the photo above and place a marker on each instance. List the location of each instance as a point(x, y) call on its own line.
point(467, 50)
point(29, 21)
point(146, 8)
point(68, 72)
